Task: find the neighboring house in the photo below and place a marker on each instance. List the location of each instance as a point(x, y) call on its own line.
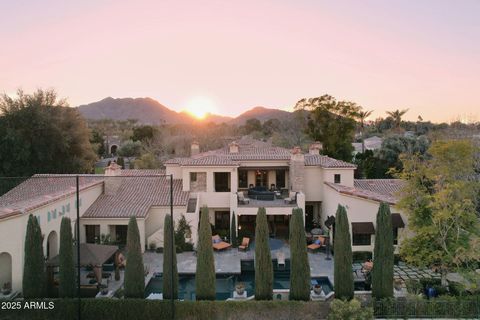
point(372, 143)
point(234, 180)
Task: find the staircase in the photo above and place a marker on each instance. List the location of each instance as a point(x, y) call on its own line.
point(156, 237)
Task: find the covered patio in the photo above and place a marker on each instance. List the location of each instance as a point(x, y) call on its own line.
point(96, 269)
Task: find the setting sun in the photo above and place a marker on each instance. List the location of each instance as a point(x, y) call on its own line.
point(199, 107)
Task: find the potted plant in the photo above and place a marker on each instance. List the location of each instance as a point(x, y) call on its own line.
point(397, 284)
point(240, 288)
point(317, 289)
point(7, 288)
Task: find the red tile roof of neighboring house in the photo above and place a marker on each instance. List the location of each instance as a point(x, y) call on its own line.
point(381, 190)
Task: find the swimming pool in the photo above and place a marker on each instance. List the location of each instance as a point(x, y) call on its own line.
point(225, 284)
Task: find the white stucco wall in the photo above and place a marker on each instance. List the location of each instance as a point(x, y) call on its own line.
point(358, 210)
point(12, 230)
point(313, 184)
point(346, 175)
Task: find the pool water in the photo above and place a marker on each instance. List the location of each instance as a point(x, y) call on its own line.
point(225, 284)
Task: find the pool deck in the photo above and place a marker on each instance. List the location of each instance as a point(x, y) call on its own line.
point(229, 262)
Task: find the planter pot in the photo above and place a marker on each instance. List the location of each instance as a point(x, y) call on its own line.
point(317, 289)
point(240, 289)
point(7, 291)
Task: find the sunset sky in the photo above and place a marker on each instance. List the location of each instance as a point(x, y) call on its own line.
point(384, 55)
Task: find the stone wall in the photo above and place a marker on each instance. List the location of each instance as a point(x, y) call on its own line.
point(297, 170)
point(201, 184)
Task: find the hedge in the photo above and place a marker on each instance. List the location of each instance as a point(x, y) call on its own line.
point(131, 309)
point(442, 307)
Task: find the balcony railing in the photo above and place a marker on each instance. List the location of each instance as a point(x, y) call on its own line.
point(267, 199)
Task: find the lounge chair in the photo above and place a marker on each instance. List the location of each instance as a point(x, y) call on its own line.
point(292, 196)
point(219, 244)
point(317, 244)
point(242, 199)
point(244, 245)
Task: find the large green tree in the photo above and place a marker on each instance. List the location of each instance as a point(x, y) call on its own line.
point(263, 259)
point(342, 244)
point(34, 277)
point(67, 267)
point(382, 273)
point(40, 134)
point(205, 273)
point(333, 123)
point(134, 270)
point(170, 272)
point(299, 265)
point(441, 197)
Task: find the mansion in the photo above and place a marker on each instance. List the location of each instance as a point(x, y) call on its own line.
point(233, 181)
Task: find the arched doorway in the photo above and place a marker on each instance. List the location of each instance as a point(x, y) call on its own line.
point(5, 268)
point(113, 149)
point(52, 245)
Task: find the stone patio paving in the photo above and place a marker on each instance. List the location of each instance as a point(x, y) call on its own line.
point(229, 262)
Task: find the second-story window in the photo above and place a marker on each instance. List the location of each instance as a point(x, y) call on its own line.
point(337, 178)
point(222, 181)
point(193, 176)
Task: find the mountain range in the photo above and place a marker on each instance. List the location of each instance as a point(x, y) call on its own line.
point(150, 111)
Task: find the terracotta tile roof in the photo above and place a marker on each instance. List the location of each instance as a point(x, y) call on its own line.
point(135, 196)
point(326, 162)
point(139, 190)
point(389, 187)
point(42, 189)
point(254, 150)
point(381, 190)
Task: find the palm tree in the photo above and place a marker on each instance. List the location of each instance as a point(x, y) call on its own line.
point(397, 117)
point(362, 116)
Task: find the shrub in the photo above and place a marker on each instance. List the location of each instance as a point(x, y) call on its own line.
point(343, 276)
point(205, 273)
point(34, 277)
point(183, 231)
point(263, 259)
point(170, 273)
point(134, 270)
point(382, 272)
point(351, 310)
point(66, 265)
point(299, 265)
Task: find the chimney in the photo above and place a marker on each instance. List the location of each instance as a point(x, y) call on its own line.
point(112, 178)
point(194, 148)
point(315, 147)
point(233, 147)
point(297, 169)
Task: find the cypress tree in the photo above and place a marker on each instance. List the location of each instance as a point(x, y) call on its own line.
point(134, 270)
point(343, 276)
point(263, 259)
point(205, 273)
point(67, 267)
point(233, 231)
point(382, 272)
point(300, 267)
point(169, 261)
point(34, 276)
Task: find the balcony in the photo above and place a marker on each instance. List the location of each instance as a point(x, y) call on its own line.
point(263, 198)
